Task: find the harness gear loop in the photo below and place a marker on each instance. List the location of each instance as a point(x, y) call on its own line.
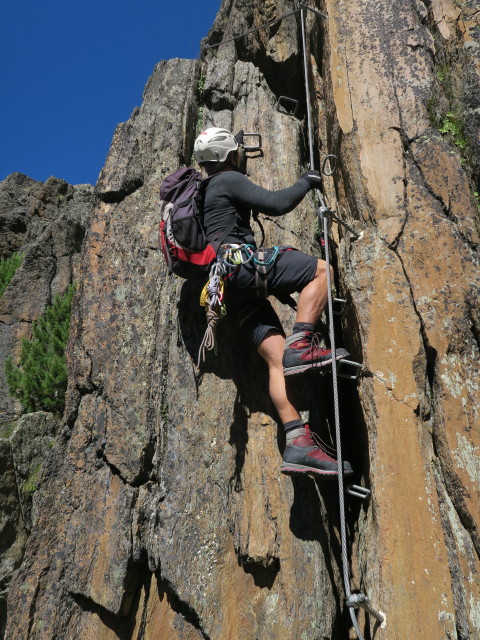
point(229, 258)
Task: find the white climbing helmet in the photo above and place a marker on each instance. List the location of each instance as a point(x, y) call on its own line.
point(214, 145)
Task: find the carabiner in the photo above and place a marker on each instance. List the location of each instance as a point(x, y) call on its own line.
point(272, 259)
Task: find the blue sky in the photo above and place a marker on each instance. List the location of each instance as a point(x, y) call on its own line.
point(71, 71)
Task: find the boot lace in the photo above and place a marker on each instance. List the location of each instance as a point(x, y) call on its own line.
point(318, 442)
point(315, 341)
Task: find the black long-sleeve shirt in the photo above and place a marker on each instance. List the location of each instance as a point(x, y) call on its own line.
point(230, 194)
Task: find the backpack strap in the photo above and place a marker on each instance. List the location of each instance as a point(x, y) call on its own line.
point(217, 243)
point(219, 240)
point(260, 225)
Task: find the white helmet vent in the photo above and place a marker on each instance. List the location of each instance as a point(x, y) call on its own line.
point(214, 145)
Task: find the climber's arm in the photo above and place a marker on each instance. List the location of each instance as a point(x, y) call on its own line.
point(275, 203)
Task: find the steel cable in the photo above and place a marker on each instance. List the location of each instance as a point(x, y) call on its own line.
point(323, 218)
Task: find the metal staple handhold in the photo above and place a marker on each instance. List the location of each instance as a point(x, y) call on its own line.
point(351, 370)
point(256, 147)
point(339, 306)
point(281, 109)
point(358, 491)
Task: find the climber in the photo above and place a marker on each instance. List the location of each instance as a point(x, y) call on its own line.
point(229, 199)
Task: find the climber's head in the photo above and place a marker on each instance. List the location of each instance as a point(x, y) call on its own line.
point(216, 149)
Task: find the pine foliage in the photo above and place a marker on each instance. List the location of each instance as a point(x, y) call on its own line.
point(40, 380)
point(7, 270)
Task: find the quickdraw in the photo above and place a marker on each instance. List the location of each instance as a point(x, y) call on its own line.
point(231, 256)
point(235, 255)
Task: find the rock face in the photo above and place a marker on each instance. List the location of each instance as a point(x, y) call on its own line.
point(161, 512)
point(46, 222)
point(21, 455)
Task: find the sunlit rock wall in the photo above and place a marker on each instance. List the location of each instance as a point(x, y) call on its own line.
point(162, 512)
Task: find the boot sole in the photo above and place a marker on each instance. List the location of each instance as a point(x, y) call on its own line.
point(290, 371)
point(301, 469)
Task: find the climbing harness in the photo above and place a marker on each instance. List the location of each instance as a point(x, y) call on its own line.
point(325, 215)
point(261, 262)
point(229, 258)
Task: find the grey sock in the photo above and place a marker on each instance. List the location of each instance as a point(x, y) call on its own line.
point(293, 424)
point(295, 433)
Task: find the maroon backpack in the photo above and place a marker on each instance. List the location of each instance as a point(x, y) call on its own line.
point(182, 235)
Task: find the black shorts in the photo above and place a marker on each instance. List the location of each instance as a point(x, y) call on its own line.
point(289, 273)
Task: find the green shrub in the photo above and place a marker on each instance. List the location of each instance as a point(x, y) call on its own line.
point(7, 429)
point(31, 483)
point(40, 380)
point(7, 270)
point(452, 125)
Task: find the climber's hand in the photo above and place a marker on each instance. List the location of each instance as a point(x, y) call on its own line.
point(313, 178)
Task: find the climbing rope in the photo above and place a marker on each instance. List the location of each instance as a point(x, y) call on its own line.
point(229, 259)
point(212, 299)
point(324, 216)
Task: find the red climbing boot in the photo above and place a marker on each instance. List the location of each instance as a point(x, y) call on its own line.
point(304, 350)
point(307, 454)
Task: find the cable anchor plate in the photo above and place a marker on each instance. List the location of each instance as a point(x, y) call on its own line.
point(331, 162)
point(326, 212)
point(360, 600)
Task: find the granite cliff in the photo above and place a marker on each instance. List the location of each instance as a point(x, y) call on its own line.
point(46, 223)
point(160, 511)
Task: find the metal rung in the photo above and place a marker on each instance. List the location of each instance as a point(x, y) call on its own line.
point(357, 600)
point(339, 306)
point(284, 109)
point(351, 370)
point(357, 490)
point(253, 147)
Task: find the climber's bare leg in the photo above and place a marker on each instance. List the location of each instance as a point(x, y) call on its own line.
point(313, 298)
point(271, 349)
